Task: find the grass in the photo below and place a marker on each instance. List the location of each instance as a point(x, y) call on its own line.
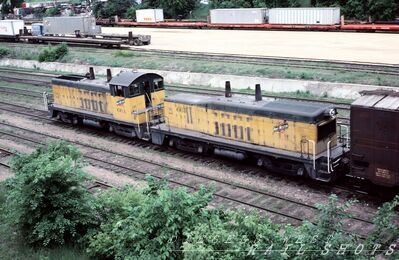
point(138, 60)
point(12, 246)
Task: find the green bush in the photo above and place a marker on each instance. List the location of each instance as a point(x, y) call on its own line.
point(147, 224)
point(53, 53)
point(4, 51)
point(53, 11)
point(131, 12)
point(46, 199)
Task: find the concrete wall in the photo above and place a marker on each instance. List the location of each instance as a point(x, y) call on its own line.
point(331, 89)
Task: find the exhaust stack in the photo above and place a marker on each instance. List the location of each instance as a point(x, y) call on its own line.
point(109, 75)
point(91, 74)
point(258, 93)
point(228, 89)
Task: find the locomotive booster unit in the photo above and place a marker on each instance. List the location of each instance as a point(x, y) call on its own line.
point(287, 136)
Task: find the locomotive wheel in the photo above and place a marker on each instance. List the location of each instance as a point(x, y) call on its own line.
point(300, 171)
point(263, 162)
point(259, 162)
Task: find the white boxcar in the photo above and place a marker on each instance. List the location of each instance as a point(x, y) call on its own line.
point(11, 27)
point(149, 15)
point(64, 25)
point(322, 16)
point(239, 16)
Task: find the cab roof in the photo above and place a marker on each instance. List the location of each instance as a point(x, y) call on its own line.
point(126, 78)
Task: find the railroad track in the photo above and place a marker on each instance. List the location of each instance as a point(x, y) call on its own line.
point(41, 115)
point(174, 88)
point(300, 63)
point(280, 209)
point(91, 186)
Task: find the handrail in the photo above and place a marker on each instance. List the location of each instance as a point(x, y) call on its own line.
point(45, 100)
point(346, 134)
point(328, 157)
point(314, 153)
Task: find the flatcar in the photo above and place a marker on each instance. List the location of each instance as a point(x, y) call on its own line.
point(128, 104)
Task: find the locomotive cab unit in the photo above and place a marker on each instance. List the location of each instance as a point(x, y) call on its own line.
point(293, 137)
point(129, 103)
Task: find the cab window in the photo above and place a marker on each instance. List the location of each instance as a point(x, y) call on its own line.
point(134, 90)
point(326, 129)
point(158, 84)
point(117, 91)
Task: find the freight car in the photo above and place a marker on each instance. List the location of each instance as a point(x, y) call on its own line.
point(71, 30)
point(320, 19)
point(375, 137)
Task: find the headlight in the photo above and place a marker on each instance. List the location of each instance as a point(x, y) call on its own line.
point(332, 112)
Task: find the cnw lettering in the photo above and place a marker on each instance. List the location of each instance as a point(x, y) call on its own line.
point(92, 105)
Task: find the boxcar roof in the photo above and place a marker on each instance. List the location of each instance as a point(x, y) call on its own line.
point(378, 99)
point(282, 109)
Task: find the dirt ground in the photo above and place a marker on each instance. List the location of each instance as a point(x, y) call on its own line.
point(365, 47)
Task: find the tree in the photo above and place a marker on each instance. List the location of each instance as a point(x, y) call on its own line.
point(9, 5)
point(382, 10)
point(172, 8)
point(355, 9)
point(47, 202)
point(112, 8)
point(53, 11)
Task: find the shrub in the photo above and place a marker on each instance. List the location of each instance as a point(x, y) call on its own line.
point(47, 202)
point(147, 224)
point(53, 11)
point(4, 51)
point(131, 12)
point(53, 53)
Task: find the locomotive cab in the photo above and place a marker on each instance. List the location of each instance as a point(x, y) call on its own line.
point(129, 103)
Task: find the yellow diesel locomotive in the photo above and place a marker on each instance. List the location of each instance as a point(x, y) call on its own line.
point(293, 137)
point(128, 104)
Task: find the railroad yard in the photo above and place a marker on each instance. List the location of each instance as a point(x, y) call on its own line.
point(200, 144)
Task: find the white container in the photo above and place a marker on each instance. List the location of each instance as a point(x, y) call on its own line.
point(69, 25)
point(322, 16)
point(11, 27)
point(239, 16)
point(149, 15)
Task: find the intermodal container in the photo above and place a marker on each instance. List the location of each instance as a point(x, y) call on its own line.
point(11, 27)
point(311, 16)
point(149, 15)
point(239, 16)
point(64, 25)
